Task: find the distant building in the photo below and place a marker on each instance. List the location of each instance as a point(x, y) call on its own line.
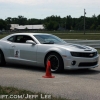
point(13, 26)
point(28, 27)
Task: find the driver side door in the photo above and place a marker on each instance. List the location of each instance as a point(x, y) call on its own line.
point(22, 52)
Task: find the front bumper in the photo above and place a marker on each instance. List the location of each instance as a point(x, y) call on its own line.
point(80, 62)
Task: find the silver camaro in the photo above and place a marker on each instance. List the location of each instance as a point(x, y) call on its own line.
point(37, 48)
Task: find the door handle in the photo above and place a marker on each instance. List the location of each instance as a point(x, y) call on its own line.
point(13, 46)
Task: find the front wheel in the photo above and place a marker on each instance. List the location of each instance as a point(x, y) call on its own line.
point(56, 62)
point(2, 59)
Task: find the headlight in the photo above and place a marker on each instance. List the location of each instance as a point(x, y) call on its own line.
point(75, 54)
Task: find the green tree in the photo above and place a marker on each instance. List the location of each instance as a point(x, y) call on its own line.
point(98, 28)
point(52, 22)
point(8, 20)
point(69, 22)
point(51, 25)
point(92, 27)
point(22, 20)
point(98, 19)
point(3, 24)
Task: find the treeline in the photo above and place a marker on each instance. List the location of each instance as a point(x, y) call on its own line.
point(55, 22)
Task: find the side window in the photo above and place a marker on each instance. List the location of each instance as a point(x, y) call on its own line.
point(22, 38)
point(19, 39)
point(11, 39)
point(28, 38)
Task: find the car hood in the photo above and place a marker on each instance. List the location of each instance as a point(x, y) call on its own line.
point(76, 47)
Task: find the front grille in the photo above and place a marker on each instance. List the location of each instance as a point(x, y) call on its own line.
point(82, 54)
point(87, 64)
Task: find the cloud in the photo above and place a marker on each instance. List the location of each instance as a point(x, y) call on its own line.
point(45, 8)
point(26, 2)
point(41, 1)
point(52, 2)
point(29, 2)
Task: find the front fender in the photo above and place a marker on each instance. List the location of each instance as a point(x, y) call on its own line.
point(58, 50)
point(1, 48)
point(44, 50)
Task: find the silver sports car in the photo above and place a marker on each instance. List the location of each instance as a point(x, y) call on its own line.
point(37, 48)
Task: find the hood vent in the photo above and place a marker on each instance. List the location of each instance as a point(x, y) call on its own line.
point(87, 50)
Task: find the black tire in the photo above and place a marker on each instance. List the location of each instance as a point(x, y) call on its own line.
point(2, 59)
point(56, 62)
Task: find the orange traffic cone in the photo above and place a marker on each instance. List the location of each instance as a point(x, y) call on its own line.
point(48, 71)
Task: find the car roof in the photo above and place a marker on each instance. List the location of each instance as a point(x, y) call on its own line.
point(24, 34)
point(30, 34)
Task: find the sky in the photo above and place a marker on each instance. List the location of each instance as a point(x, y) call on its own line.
point(41, 9)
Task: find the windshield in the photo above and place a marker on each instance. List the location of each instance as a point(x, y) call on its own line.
point(49, 39)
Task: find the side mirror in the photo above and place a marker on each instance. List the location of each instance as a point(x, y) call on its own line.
point(30, 42)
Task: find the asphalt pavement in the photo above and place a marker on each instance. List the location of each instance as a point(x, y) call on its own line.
point(72, 84)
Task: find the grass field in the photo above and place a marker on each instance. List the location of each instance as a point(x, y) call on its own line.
point(79, 36)
point(18, 94)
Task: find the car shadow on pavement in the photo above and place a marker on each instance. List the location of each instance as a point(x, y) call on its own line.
point(65, 72)
point(25, 67)
point(81, 72)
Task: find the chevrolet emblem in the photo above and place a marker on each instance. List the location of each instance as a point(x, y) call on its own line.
point(91, 55)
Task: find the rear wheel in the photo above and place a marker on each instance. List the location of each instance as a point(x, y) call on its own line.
point(56, 62)
point(2, 59)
